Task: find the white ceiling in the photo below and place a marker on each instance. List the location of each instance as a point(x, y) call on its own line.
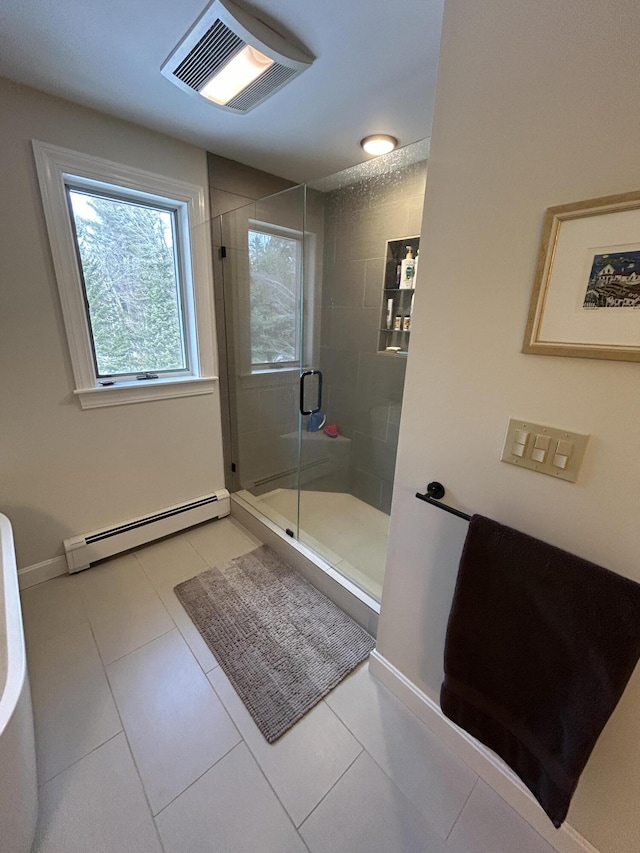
point(374, 72)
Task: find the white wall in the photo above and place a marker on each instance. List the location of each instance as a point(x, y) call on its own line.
point(64, 471)
point(536, 106)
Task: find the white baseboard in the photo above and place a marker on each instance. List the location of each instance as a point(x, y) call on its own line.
point(86, 548)
point(40, 572)
point(128, 534)
point(482, 760)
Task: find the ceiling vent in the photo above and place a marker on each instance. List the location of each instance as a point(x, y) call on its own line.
point(233, 59)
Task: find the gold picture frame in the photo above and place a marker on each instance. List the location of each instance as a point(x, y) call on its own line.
point(586, 296)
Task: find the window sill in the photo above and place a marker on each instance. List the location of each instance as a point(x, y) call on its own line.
point(124, 393)
point(267, 378)
point(259, 371)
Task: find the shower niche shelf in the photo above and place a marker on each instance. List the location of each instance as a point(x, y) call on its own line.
point(401, 298)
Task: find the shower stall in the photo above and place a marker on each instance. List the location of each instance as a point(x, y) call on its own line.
point(315, 330)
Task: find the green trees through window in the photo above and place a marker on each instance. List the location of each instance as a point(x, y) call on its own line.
point(131, 282)
point(274, 272)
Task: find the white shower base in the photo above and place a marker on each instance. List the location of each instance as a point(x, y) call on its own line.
point(347, 532)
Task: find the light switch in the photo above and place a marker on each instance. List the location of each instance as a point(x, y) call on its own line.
point(545, 449)
point(542, 442)
point(564, 447)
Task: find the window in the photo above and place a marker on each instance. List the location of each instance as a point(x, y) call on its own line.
point(131, 258)
point(131, 282)
point(275, 278)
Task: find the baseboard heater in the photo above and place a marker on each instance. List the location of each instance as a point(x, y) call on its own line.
point(83, 550)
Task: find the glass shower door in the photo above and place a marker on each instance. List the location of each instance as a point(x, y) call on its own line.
point(324, 455)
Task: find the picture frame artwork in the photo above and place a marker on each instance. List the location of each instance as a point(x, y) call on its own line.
point(586, 296)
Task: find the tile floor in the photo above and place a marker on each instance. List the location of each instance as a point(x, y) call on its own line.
point(144, 746)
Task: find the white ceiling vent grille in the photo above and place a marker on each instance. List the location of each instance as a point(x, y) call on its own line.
point(222, 32)
point(217, 46)
point(261, 88)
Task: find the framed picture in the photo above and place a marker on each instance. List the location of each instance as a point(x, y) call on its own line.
point(586, 297)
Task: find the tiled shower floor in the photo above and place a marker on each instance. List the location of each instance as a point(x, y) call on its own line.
point(144, 746)
point(344, 530)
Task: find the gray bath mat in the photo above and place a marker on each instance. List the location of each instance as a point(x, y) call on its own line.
point(282, 643)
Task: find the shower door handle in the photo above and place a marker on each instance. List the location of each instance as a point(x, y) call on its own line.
point(303, 376)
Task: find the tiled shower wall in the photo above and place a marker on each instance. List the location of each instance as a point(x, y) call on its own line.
point(363, 388)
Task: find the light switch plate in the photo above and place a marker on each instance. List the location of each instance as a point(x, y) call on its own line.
point(577, 444)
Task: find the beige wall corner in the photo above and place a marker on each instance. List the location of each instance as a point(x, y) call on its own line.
point(527, 99)
point(65, 471)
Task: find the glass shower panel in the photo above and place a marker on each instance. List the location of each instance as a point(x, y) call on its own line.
point(263, 272)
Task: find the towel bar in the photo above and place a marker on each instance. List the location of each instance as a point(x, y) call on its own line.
point(435, 491)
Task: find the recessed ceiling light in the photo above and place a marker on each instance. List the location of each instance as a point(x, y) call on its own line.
point(378, 144)
point(233, 59)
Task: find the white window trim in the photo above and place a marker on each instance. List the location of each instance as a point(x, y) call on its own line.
point(55, 165)
point(307, 239)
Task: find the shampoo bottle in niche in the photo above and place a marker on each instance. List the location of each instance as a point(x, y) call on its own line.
point(406, 323)
point(389, 313)
point(415, 269)
point(407, 270)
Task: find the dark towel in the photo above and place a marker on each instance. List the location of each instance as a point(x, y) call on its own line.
point(540, 645)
